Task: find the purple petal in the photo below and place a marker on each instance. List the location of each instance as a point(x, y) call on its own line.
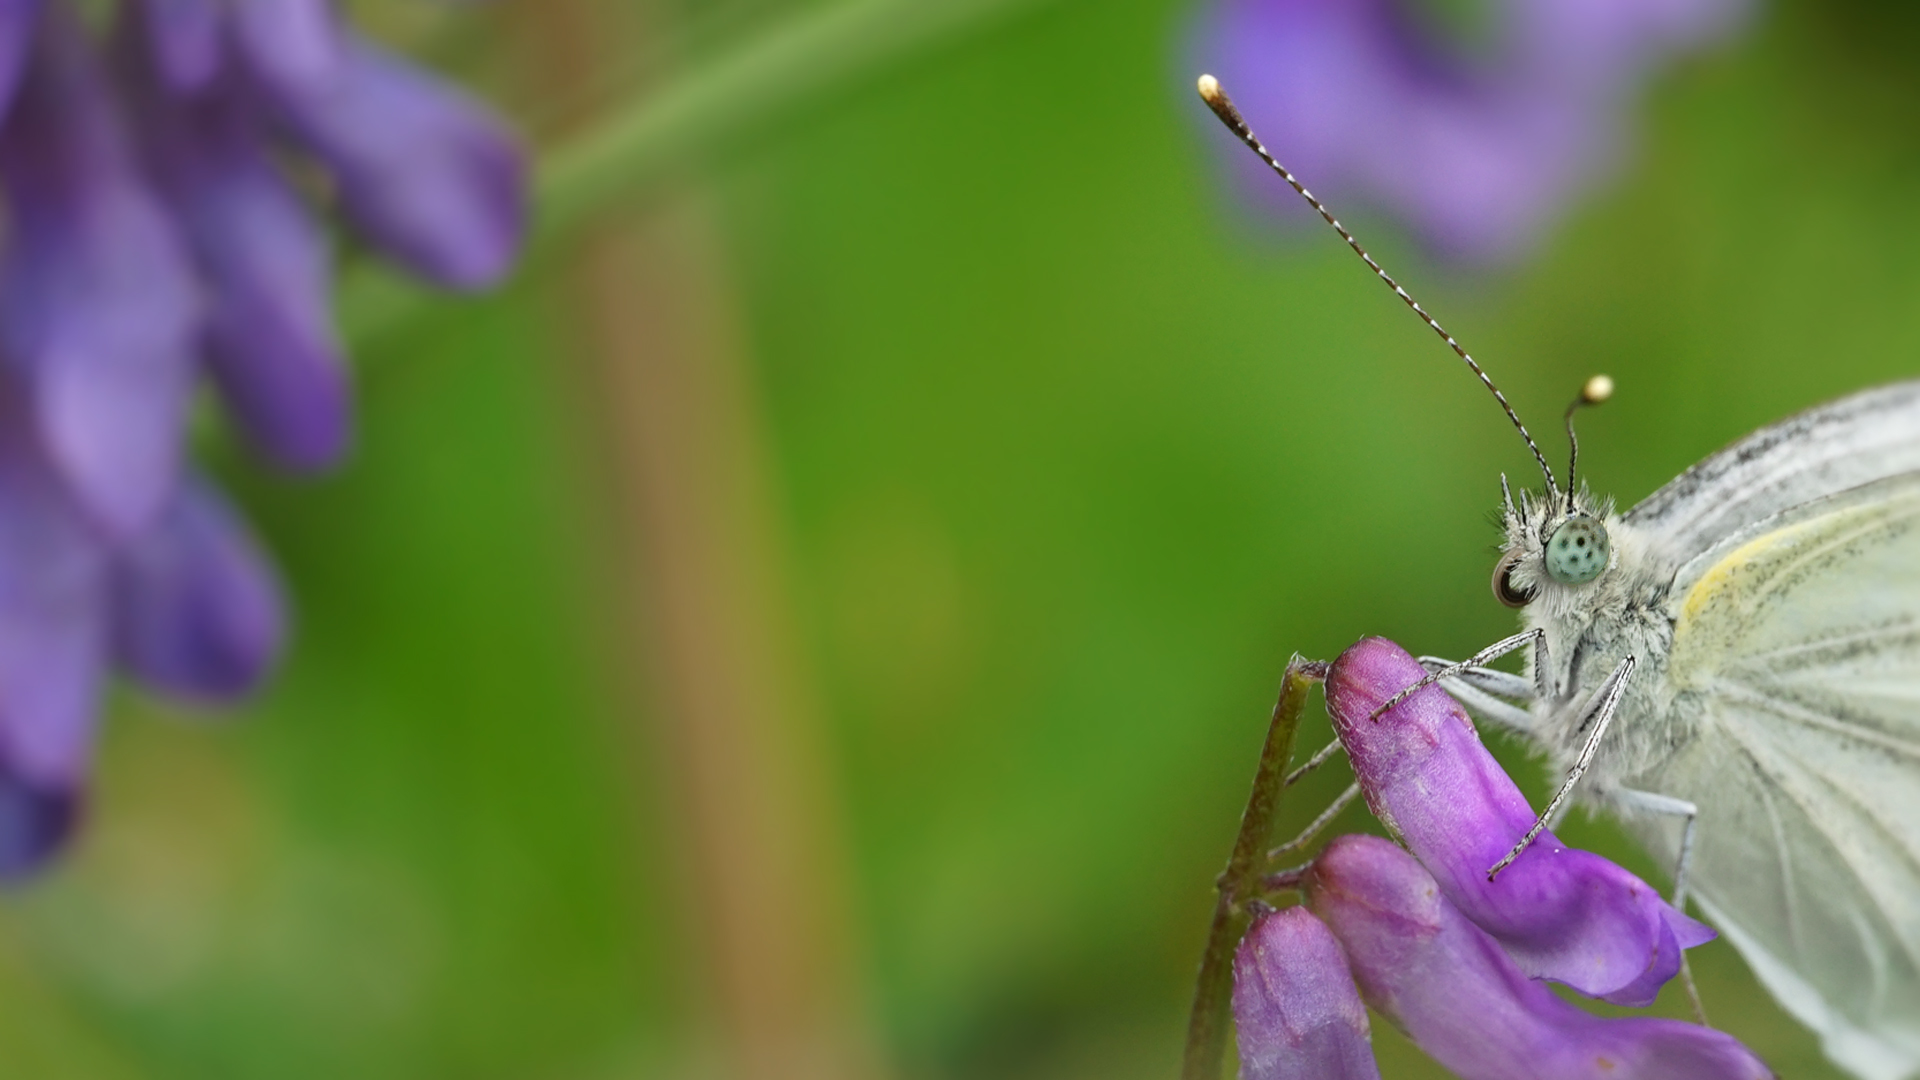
point(97, 306)
point(1604, 47)
point(1477, 150)
point(1563, 914)
point(53, 609)
point(184, 38)
point(1295, 1006)
point(429, 176)
point(1461, 998)
point(269, 333)
point(36, 821)
point(197, 610)
point(291, 44)
point(1345, 96)
point(17, 19)
point(270, 338)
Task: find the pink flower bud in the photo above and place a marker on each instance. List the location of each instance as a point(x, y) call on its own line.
point(1294, 1003)
point(1459, 995)
point(1562, 914)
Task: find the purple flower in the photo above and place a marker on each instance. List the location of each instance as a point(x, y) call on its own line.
point(267, 338)
point(189, 607)
point(98, 307)
point(195, 42)
point(153, 234)
point(428, 176)
point(16, 32)
point(53, 646)
point(1562, 913)
point(1294, 1003)
point(1476, 146)
point(196, 608)
point(1461, 998)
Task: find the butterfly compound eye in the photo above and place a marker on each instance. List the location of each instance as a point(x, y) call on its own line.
point(1577, 551)
point(1504, 590)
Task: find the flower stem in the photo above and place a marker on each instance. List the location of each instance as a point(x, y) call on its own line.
point(1240, 883)
point(717, 105)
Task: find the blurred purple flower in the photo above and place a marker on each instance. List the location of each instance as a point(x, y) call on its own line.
point(1294, 1003)
point(53, 642)
point(1564, 914)
point(98, 306)
point(153, 229)
point(196, 610)
point(267, 336)
point(424, 172)
point(1460, 997)
point(1476, 146)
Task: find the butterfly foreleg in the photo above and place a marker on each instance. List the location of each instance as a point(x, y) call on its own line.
point(1595, 718)
point(1484, 679)
point(1653, 803)
point(1480, 690)
point(1536, 638)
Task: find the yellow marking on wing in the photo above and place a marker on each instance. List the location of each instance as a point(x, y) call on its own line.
point(1721, 576)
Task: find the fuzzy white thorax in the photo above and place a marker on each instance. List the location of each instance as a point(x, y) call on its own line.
point(1589, 629)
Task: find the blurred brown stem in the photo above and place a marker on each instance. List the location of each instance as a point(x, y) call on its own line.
point(1240, 882)
point(772, 982)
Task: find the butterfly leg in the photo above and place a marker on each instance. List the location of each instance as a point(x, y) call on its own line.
point(1653, 803)
point(1318, 759)
point(1536, 638)
point(1597, 715)
point(1484, 679)
point(1325, 819)
point(1480, 690)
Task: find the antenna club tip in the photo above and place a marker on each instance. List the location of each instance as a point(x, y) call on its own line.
point(1209, 88)
point(1598, 389)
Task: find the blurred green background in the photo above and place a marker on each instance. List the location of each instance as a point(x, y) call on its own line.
point(1026, 458)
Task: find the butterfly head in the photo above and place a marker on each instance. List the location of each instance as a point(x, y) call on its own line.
point(1551, 543)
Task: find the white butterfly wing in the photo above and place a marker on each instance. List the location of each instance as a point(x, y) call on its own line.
point(1797, 649)
point(1770, 876)
point(1830, 448)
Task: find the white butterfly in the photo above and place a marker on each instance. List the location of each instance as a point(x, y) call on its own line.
point(1733, 667)
point(1759, 618)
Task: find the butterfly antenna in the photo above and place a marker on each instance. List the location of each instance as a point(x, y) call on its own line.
point(1598, 389)
point(1223, 107)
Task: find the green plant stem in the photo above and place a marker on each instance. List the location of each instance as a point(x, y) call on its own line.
point(1213, 994)
point(717, 105)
